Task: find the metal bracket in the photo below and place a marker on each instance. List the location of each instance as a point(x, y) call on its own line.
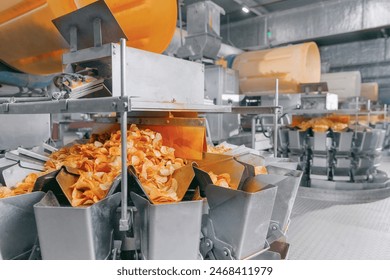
point(274, 232)
point(122, 105)
point(211, 246)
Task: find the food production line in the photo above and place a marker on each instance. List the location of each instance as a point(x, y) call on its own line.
point(133, 197)
point(104, 196)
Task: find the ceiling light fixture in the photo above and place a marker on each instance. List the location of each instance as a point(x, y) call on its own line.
point(245, 9)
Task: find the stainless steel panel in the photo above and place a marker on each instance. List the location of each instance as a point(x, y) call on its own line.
point(15, 174)
point(221, 86)
point(296, 140)
point(169, 231)
point(174, 80)
point(321, 142)
point(323, 101)
point(75, 233)
point(23, 130)
point(287, 101)
point(18, 230)
point(287, 182)
point(343, 142)
point(240, 218)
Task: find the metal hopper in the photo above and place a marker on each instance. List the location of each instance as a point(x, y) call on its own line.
point(75, 233)
point(287, 182)
point(18, 230)
point(237, 224)
point(169, 231)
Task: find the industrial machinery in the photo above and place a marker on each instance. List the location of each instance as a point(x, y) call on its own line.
point(142, 88)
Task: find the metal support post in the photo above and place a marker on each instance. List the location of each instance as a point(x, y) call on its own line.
point(254, 118)
point(124, 221)
point(73, 39)
point(276, 118)
point(369, 111)
point(97, 32)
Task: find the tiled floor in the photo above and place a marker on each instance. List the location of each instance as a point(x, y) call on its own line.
point(322, 228)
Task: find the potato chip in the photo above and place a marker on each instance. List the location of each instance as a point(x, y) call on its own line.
point(260, 170)
point(221, 180)
point(220, 149)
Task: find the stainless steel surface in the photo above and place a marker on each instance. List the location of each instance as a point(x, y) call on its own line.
point(82, 21)
point(169, 231)
point(23, 130)
point(175, 44)
point(141, 106)
point(124, 221)
point(18, 230)
point(33, 154)
point(255, 110)
point(287, 182)
point(237, 215)
point(15, 174)
point(142, 67)
point(221, 86)
point(203, 25)
point(339, 111)
point(286, 101)
point(103, 104)
point(75, 233)
point(322, 101)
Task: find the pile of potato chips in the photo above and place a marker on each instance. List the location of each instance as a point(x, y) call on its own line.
point(323, 124)
point(260, 170)
point(220, 149)
point(21, 188)
point(221, 180)
point(99, 162)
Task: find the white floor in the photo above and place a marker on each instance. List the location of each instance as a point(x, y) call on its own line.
point(325, 229)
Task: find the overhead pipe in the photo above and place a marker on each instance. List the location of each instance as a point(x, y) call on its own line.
point(25, 80)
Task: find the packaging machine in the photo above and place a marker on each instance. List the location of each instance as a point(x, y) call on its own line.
point(247, 221)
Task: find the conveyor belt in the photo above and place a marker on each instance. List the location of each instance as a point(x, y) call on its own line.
point(334, 225)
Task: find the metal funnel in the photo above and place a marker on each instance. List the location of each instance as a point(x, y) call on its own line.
point(241, 218)
point(75, 233)
point(169, 231)
point(18, 230)
point(287, 182)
